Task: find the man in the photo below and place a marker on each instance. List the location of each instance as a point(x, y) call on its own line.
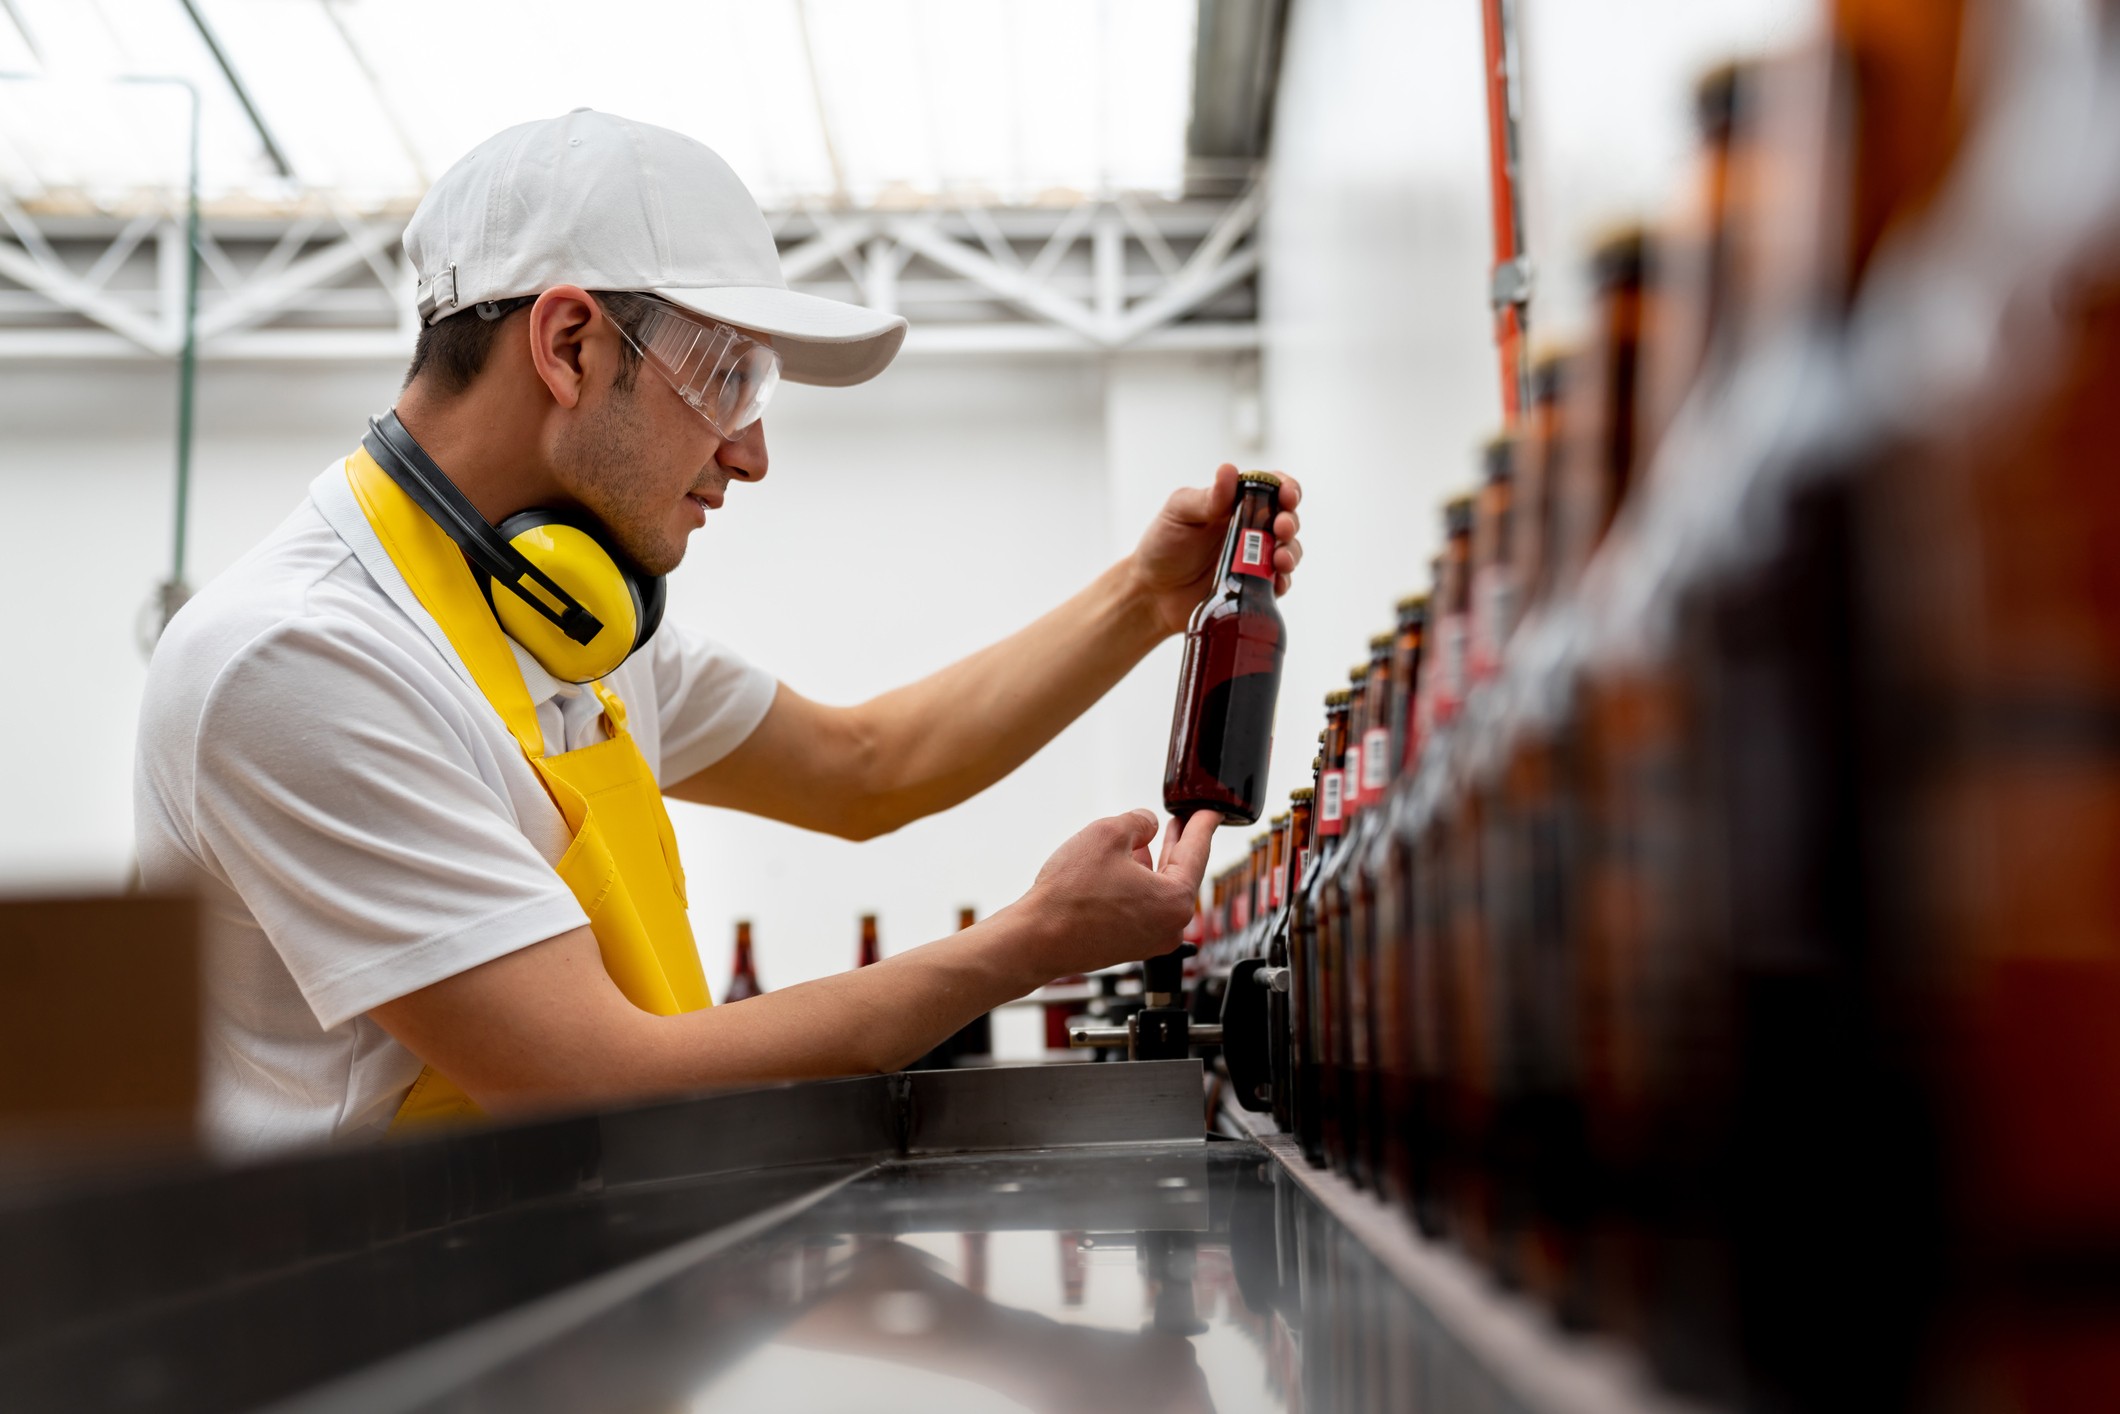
point(433, 855)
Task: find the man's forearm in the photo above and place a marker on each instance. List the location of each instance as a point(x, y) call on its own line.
point(545, 1028)
point(943, 739)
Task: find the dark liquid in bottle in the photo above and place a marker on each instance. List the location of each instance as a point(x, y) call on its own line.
point(1222, 732)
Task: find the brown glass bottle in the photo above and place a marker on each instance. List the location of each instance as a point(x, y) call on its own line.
point(1221, 732)
point(1790, 737)
point(1453, 614)
point(1689, 328)
point(743, 976)
point(1407, 643)
point(1315, 1026)
point(1288, 880)
point(1258, 881)
point(1336, 936)
point(1378, 764)
point(1302, 947)
point(871, 950)
point(1535, 481)
point(1495, 601)
point(1597, 464)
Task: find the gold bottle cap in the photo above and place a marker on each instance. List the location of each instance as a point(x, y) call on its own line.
point(1279, 820)
point(1340, 696)
point(1358, 674)
point(1412, 604)
point(1258, 478)
point(1301, 793)
point(1381, 641)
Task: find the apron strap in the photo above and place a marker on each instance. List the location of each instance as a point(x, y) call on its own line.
point(441, 580)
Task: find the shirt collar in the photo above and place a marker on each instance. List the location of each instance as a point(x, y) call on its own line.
point(540, 684)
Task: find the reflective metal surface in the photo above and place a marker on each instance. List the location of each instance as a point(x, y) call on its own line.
point(1120, 1279)
point(798, 1249)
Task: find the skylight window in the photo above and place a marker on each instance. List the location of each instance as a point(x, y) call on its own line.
point(854, 102)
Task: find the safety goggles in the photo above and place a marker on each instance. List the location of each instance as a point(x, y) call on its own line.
point(725, 376)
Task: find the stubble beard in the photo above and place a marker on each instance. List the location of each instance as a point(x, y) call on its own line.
point(606, 454)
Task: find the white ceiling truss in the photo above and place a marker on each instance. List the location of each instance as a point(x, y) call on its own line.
point(325, 282)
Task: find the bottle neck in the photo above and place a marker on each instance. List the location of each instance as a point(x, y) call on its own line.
point(1247, 553)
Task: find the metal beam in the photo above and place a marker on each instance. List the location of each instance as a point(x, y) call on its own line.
point(1088, 277)
point(68, 291)
point(212, 41)
point(254, 303)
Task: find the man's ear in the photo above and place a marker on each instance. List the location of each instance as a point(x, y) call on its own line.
point(561, 323)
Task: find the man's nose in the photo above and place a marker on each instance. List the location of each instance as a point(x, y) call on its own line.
point(744, 456)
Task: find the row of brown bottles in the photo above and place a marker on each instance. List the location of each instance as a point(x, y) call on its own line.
point(1726, 951)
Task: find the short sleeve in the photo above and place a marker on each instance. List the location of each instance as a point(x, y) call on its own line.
point(708, 700)
point(362, 820)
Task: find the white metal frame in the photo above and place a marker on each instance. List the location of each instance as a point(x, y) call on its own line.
point(324, 282)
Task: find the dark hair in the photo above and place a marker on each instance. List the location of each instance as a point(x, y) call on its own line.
point(453, 351)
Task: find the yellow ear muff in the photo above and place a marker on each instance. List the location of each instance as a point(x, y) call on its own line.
point(584, 568)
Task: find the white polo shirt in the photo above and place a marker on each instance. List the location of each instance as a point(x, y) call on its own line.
point(317, 766)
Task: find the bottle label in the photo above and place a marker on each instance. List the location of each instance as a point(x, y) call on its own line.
point(1329, 803)
point(1254, 554)
point(1274, 883)
point(1456, 649)
point(1302, 868)
point(1493, 612)
point(1376, 765)
point(1351, 778)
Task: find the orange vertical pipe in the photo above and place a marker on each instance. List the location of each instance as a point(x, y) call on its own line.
point(1509, 320)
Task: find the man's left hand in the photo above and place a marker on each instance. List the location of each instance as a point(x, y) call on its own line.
point(1178, 558)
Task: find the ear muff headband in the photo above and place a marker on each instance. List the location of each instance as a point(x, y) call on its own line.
point(562, 632)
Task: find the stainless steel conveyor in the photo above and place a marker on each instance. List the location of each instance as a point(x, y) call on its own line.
point(1039, 1237)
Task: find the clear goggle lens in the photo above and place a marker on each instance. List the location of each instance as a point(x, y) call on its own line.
point(725, 376)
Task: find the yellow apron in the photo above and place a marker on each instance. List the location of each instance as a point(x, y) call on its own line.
point(622, 865)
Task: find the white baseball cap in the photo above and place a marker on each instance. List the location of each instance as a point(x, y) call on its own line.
point(594, 200)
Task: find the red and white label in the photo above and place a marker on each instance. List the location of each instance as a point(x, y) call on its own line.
point(1329, 801)
point(1302, 868)
point(1454, 636)
point(1351, 795)
point(1275, 881)
point(1254, 554)
point(1493, 611)
point(1376, 761)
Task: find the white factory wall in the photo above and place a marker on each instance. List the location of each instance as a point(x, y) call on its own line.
point(903, 524)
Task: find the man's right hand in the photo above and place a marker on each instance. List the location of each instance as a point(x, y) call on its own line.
point(1101, 900)
point(545, 1027)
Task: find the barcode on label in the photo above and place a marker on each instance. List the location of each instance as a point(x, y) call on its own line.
point(1254, 547)
point(1376, 747)
point(1330, 805)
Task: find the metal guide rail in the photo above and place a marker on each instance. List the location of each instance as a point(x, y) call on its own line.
point(1060, 1236)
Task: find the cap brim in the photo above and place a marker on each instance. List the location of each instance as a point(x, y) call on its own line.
point(821, 341)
